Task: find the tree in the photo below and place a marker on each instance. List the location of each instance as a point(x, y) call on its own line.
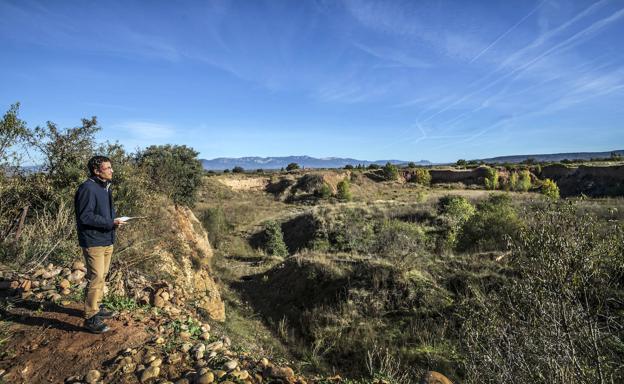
point(524, 183)
point(343, 190)
point(65, 151)
point(238, 169)
point(390, 171)
point(12, 130)
point(348, 166)
point(292, 167)
point(411, 164)
point(174, 170)
point(275, 239)
point(461, 163)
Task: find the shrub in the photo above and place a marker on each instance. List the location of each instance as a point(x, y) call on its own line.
point(174, 170)
point(390, 171)
point(324, 192)
point(550, 189)
point(400, 241)
point(292, 167)
point(12, 130)
point(348, 166)
point(238, 169)
point(524, 182)
point(491, 178)
point(454, 211)
point(494, 222)
point(374, 166)
point(344, 190)
point(554, 323)
point(422, 176)
point(275, 239)
point(411, 164)
point(513, 182)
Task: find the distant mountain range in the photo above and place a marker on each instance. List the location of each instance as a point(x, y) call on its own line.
point(553, 157)
point(253, 163)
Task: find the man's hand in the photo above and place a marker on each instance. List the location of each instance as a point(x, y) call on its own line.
point(119, 222)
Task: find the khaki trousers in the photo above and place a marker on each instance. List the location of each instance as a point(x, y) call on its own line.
point(98, 261)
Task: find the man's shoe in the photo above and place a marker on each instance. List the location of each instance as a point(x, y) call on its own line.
point(96, 325)
point(105, 313)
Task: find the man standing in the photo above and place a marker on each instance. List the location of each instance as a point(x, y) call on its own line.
point(95, 219)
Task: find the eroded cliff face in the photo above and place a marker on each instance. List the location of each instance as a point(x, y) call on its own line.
point(189, 265)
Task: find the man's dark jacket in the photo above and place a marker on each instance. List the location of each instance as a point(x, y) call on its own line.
point(95, 213)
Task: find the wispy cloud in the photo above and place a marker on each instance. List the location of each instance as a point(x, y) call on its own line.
point(147, 131)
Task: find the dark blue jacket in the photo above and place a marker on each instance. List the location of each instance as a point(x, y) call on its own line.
point(95, 213)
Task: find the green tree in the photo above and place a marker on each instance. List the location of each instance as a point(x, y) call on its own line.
point(524, 182)
point(390, 171)
point(174, 170)
point(411, 164)
point(324, 191)
point(238, 169)
point(12, 130)
point(344, 190)
point(461, 163)
point(513, 181)
point(292, 167)
point(65, 151)
point(550, 189)
point(348, 166)
point(275, 239)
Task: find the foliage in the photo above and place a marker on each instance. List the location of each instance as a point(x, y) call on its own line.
point(550, 189)
point(12, 130)
point(275, 239)
point(174, 170)
point(524, 182)
point(374, 166)
point(491, 178)
point(292, 167)
point(399, 241)
point(489, 229)
point(65, 152)
point(120, 303)
point(461, 163)
point(348, 166)
point(557, 322)
point(454, 211)
point(343, 192)
point(238, 169)
point(421, 176)
point(390, 171)
point(324, 192)
point(411, 164)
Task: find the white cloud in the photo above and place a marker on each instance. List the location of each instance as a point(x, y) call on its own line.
point(143, 130)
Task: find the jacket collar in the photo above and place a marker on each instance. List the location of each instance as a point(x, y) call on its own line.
point(102, 183)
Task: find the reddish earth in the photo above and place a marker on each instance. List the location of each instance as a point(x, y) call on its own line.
point(47, 343)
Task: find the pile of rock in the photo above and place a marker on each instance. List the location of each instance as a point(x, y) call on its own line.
point(49, 283)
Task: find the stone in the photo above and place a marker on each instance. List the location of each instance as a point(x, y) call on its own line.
point(206, 378)
point(65, 303)
point(281, 373)
point(199, 354)
point(150, 373)
point(66, 291)
point(174, 358)
point(205, 336)
point(92, 376)
point(185, 335)
point(148, 359)
point(76, 276)
point(185, 347)
point(220, 374)
point(79, 265)
point(51, 274)
point(226, 341)
point(160, 340)
point(433, 377)
point(156, 363)
point(64, 284)
point(230, 365)
point(55, 297)
point(25, 285)
point(205, 327)
point(240, 375)
point(264, 362)
point(217, 345)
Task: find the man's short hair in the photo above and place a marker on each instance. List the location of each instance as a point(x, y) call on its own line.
point(95, 162)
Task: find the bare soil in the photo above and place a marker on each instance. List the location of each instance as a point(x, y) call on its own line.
point(47, 343)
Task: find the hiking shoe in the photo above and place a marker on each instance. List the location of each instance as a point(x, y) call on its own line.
point(105, 313)
point(96, 325)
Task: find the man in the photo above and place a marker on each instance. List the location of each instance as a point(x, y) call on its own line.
point(95, 219)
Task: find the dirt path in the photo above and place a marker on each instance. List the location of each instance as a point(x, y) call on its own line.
point(47, 343)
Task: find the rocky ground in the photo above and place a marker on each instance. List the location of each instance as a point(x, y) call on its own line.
point(156, 337)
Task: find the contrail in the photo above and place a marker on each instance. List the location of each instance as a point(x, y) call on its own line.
point(507, 31)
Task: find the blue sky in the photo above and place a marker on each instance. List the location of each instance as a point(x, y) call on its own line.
point(408, 80)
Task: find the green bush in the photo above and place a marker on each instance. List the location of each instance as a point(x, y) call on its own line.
point(421, 176)
point(390, 171)
point(174, 170)
point(454, 211)
point(550, 189)
point(400, 241)
point(238, 169)
point(275, 245)
point(324, 192)
point(524, 182)
point(556, 321)
point(491, 178)
point(344, 190)
point(12, 131)
point(490, 228)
